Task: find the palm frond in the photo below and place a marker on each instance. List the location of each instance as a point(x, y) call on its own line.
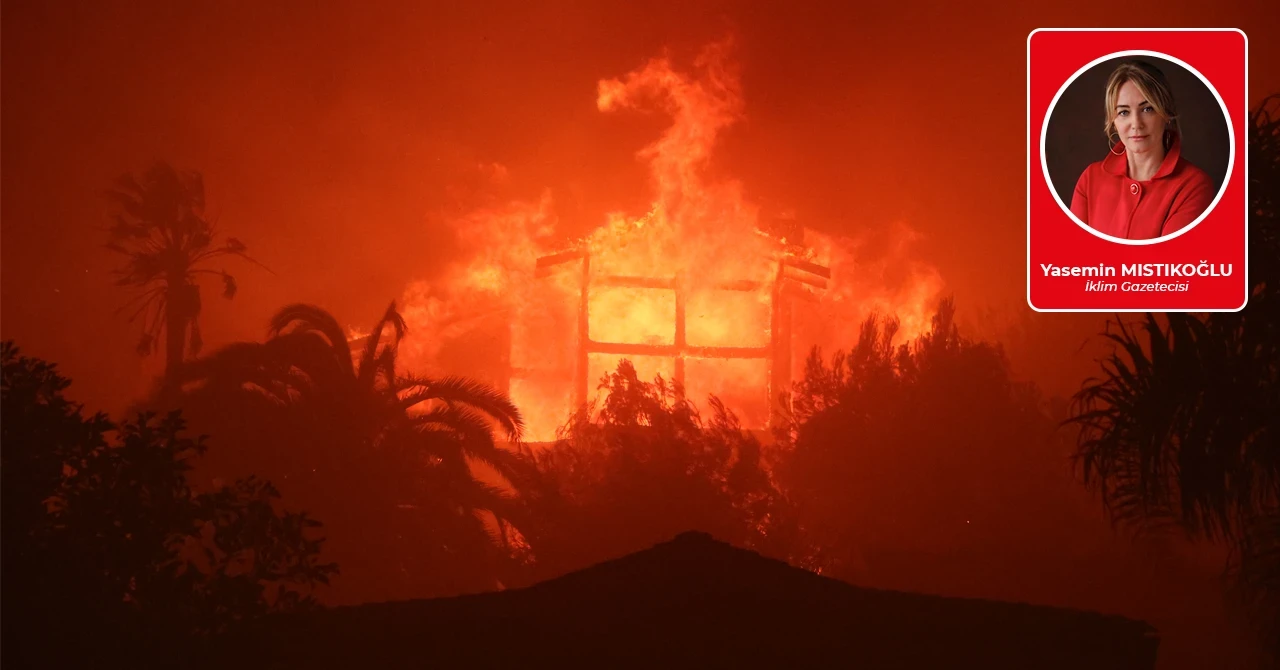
point(461, 390)
point(460, 430)
point(370, 363)
point(300, 317)
point(362, 433)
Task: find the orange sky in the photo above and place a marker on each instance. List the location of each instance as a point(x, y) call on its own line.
point(334, 140)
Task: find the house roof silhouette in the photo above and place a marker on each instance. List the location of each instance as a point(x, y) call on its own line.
point(694, 601)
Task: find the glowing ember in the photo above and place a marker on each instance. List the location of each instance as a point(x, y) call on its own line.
point(698, 252)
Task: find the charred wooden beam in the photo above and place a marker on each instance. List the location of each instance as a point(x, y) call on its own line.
point(680, 330)
point(624, 281)
point(547, 264)
point(584, 333)
point(670, 350)
point(806, 266)
point(670, 283)
point(740, 285)
point(779, 389)
point(793, 292)
point(804, 278)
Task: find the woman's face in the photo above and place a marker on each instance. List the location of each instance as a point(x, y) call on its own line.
point(1140, 127)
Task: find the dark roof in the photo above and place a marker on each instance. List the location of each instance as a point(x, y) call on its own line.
point(694, 601)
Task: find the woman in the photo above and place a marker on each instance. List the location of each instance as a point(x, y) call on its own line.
point(1145, 188)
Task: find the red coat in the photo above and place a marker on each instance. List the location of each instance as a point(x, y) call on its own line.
point(1110, 202)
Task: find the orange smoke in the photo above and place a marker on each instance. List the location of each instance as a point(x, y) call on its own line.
point(892, 282)
point(490, 315)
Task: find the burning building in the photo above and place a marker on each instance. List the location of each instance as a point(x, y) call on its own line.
point(705, 328)
point(788, 282)
point(702, 289)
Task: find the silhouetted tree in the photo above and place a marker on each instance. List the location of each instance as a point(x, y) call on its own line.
point(640, 466)
point(1180, 428)
point(922, 465)
point(387, 458)
point(110, 558)
point(162, 231)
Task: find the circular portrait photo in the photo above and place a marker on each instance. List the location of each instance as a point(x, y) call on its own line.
point(1136, 148)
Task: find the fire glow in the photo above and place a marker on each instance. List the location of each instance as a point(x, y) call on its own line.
point(698, 288)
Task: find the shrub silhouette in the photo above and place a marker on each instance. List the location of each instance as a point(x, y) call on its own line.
point(110, 557)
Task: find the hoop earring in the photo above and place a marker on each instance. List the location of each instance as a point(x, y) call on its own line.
point(1112, 147)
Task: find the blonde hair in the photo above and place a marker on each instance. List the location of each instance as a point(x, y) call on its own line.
point(1151, 84)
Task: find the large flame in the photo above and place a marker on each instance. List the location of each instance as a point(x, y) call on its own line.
point(489, 316)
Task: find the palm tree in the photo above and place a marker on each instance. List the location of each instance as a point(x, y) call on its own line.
point(382, 453)
point(1180, 429)
point(162, 231)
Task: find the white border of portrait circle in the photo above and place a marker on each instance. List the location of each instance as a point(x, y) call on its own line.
point(1226, 117)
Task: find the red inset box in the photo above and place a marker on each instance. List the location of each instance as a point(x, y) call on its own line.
point(1137, 176)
